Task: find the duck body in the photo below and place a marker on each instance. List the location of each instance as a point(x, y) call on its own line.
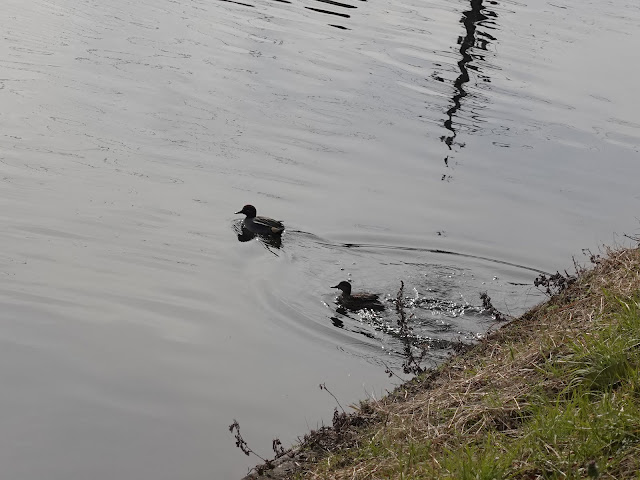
point(357, 301)
point(260, 225)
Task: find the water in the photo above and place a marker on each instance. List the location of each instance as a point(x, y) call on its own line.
point(456, 146)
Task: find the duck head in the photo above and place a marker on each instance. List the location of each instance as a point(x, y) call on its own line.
point(345, 287)
point(249, 211)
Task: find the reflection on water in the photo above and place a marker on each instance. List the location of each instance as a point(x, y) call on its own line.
point(338, 7)
point(268, 241)
point(137, 318)
point(474, 38)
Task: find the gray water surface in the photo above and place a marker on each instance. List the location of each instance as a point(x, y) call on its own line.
point(457, 146)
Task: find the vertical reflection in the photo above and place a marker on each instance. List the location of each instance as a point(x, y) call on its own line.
point(476, 17)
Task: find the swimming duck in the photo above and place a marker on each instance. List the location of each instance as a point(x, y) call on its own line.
point(357, 301)
point(260, 225)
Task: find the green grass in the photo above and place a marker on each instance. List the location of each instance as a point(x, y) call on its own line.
point(486, 460)
point(611, 356)
point(596, 418)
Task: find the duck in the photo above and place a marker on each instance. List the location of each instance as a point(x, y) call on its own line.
point(357, 301)
point(260, 225)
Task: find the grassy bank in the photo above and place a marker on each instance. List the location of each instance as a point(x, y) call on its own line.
point(553, 394)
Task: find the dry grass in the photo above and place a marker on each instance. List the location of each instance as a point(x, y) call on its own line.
point(492, 390)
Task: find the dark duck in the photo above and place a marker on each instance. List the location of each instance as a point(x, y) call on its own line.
point(357, 301)
point(260, 225)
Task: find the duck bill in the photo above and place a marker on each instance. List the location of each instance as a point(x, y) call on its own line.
point(335, 286)
point(238, 212)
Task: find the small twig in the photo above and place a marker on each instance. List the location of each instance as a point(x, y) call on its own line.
point(324, 387)
point(412, 364)
point(278, 449)
point(493, 311)
point(242, 444)
point(391, 373)
point(556, 283)
point(635, 238)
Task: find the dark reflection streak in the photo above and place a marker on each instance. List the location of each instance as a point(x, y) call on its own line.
point(339, 26)
point(282, 1)
point(269, 242)
point(470, 19)
point(353, 326)
point(337, 322)
point(489, 36)
point(338, 4)
point(328, 12)
point(238, 3)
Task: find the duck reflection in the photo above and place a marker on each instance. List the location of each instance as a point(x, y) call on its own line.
point(337, 322)
point(268, 241)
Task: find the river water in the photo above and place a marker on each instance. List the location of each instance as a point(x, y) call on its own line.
point(456, 146)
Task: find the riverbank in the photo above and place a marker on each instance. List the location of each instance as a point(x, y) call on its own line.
point(553, 394)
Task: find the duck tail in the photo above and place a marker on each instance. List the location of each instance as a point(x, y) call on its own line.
point(277, 230)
